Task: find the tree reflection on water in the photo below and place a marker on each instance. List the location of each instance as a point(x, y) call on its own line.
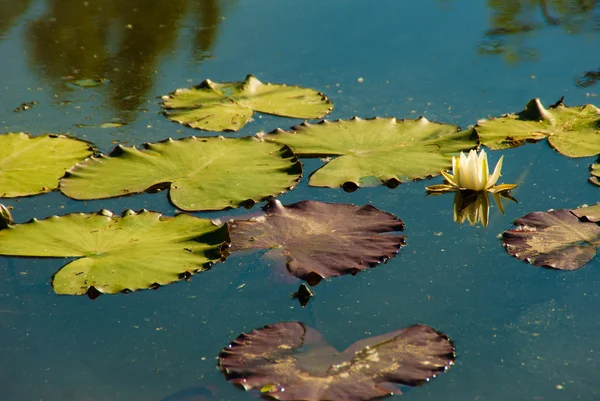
point(122, 41)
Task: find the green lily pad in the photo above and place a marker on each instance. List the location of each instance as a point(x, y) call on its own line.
point(33, 165)
point(572, 131)
point(292, 361)
point(374, 151)
point(201, 173)
point(228, 106)
point(559, 239)
point(118, 253)
point(595, 172)
point(318, 240)
point(588, 213)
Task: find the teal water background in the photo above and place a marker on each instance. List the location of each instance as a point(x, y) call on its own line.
point(521, 332)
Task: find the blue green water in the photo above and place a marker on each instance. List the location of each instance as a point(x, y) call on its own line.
point(521, 332)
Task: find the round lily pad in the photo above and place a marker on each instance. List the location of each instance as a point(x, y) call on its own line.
point(201, 173)
point(228, 106)
point(318, 239)
point(572, 131)
point(118, 253)
point(291, 361)
point(375, 151)
point(558, 239)
point(33, 165)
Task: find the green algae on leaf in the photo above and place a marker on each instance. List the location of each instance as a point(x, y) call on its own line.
point(292, 361)
point(319, 240)
point(228, 106)
point(201, 173)
point(375, 151)
point(33, 165)
point(572, 131)
point(118, 253)
point(559, 239)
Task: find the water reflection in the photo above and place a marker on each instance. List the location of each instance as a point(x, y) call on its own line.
point(11, 11)
point(511, 18)
point(474, 206)
point(122, 41)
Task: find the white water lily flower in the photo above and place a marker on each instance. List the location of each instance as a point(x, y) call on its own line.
point(471, 173)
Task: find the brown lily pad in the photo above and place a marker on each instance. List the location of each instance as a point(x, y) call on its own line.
point(318, 239)
point(291, 361)
point(558, 239)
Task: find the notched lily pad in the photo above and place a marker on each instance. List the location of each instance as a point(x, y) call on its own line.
point(33, 165)
point(558, 239)
point(572, 131)
point(201, 173)
point(291, 361)
point(318, 239)
point(118, 253)
point(375, 151)
point(595, 172)
point(228, 106)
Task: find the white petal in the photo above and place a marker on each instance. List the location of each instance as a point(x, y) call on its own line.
point(483, 171)
point(461, 167)
point(472, 172)
point(496, 173)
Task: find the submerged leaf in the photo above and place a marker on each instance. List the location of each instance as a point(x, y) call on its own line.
point(118, 253)
point(228, 106)
point(33, 165)
point(375, 151)
point(201, 173)
point(572, 131)
point(291, 361)
point(319, 240)
point(557, 239)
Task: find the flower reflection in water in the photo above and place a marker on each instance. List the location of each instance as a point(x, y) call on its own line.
point(475, 206)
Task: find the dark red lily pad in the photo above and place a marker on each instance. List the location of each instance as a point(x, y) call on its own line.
point(318, 240)
point(291, 361)
point(558, 239)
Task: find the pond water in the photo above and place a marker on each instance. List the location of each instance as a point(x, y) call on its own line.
point(521, 332)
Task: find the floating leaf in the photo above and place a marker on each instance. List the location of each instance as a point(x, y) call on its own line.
point(588, 213)
point(33, 165)
point(291, 361)
point(228, 106)
point(25, 106)
point(572, 131)
point(118, 253)
point(319, 240)
point(595, 171)
point(556, 239)
point(202, 173)
point(89, 82)
point(379, 150)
